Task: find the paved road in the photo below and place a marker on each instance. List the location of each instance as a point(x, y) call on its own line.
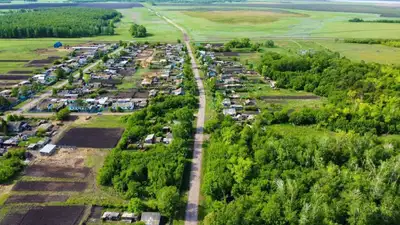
point(192, 208)
point(36, 99)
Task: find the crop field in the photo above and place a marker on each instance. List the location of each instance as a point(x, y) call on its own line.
point(91, 137)
point(203, 23)
point(89, 5)
point(56, 172)
point(14, 77)
point(49, 186)
point(36, 198)
point(60, 215)
point(239, 17)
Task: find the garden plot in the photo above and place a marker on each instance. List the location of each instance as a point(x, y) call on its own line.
point(14, 77)
point(36, 198)
point(91, 137)
point(49, 186)
point(57, 172)
point(42, 62)
point(20, 72)
point(13, 60)
point(48, 215)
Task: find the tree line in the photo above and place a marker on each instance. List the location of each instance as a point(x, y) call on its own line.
point(359, 20)
point(254, 175)
point(151, 179)
point(363, 97)
point(389, 42)
point(59, 22)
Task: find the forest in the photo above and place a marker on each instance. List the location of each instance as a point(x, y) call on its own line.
point(154, 175)
point(59, 22)
point(362, 97)
point(253, 175)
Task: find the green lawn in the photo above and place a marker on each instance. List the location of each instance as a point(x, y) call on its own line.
point(104, 121)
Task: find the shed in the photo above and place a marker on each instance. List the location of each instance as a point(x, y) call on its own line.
point(45, 126)
point(57, 44)
point(149, 139)
point(48, 150)
point(151, 218)
point(129, 217)
point(110, 216)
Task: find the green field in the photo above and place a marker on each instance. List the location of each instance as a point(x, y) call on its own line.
point(201, 25)
point(40, 48)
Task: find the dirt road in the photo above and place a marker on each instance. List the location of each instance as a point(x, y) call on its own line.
point(192, 208)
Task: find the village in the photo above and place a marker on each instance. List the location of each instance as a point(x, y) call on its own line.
point(57, 149)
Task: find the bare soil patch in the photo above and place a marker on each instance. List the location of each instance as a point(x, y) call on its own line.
point(36, 198)
point(42, 62)
point(23, 72)
point(49, 186)
point(13, 60)
point(14, 77)
point(91, 137)
point(48, 215)
point(57, 172)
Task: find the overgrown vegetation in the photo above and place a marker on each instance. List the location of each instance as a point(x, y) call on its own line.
point(59, 22)
point(254, 175)
point(153, 177)
point(11, 164)
point(362, 97)
point(359, 20)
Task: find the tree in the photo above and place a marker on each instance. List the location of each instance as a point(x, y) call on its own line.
point(63, 114)
point(70, 79)
point(4, 103)
point(269, 44)
point(167, 200)
point(86, 78)
point(60, 74)
point(14, 92)
point(138, 31)
point(54, 92)
point(80, 74)
point(136, 206)
point(179, 41)
point(105, 58)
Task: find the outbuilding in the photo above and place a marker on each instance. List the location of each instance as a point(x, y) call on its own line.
point(110, 216)
point(151, 218)
point(48, 150)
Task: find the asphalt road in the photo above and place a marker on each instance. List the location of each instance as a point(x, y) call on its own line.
point(192, 208)
point(36, 99)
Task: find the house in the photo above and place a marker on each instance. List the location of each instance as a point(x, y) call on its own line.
point(110, 216)
point(12, 141)
point(237, 107)
point(45, 127)
point(17, 126)
point(178, 91)
point(212, 73)
point(147, 82)
point(129, 217)
point(226, 102)
point(151, 218)
point(43, 142)
point(152, 93)
point(5, 93)
point(48, 150)
point(149, 139)
point(229, 112)
point(168, 138)
point(32, 146)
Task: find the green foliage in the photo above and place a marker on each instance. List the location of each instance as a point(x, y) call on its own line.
point(356, 20)
point(63, 114)
point(156, 172)
point(138, 31)
point(389, 42)
point(362, 97)
point(269, 44)
point(136, 205)
point(4, 103)
point(10, 164)
point(167, 200)
point(254, 175)
point(59, 22)
point(238, 43)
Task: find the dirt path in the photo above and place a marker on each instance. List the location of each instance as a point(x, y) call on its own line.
point(192, 208)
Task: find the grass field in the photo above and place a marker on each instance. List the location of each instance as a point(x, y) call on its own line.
point(357, 52)
point(41, 48)
point(205, 24)
point(242, 17)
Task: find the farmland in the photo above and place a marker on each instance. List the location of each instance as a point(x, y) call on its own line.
point(91, 137)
